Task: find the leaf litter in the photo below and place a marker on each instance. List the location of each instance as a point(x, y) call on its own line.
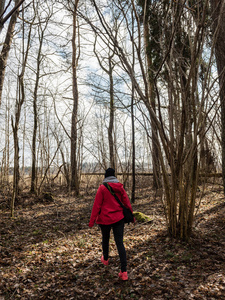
point(49, 252)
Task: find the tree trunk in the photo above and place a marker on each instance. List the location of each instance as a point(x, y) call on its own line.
point(111, 117)
point(6, 48)
point(74, 130)
point(218, 18)
point(16, 174)
point(133, 147)
point(15, 125)
point(2, 7)
point(35, 97)
point(132, 122)
point(3, 19)
point(152, 98)
point(109, 72)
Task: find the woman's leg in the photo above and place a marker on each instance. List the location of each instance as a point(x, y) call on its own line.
point(118, 229)
point(105, 240)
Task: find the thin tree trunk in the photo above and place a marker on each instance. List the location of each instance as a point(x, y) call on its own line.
point(111, 117)
point(15, 125)
point(132, 122)
point(74, 129)
point(133, 147)
point(218, 17)
point(16, 174)
point(109, 72)
point(34, 138)
point(6, 48)
point(5, 158)
point(2, 8)
point(10, 13)
point(152, 98)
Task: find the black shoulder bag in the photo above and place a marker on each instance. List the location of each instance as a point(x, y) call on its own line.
point(128, 216)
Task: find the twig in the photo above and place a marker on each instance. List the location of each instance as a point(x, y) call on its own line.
point(62, 234)
point(11, 297)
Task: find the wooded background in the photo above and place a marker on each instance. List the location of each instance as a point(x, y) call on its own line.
point(134, 85)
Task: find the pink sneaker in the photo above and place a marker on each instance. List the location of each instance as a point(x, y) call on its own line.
point(105, 262)
point(123, 275)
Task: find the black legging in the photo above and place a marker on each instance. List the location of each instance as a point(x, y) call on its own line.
point(118, 228)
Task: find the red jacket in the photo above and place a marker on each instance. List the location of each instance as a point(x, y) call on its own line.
point(106, 210)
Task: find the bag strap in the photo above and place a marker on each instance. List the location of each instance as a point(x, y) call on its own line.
point(113, 193)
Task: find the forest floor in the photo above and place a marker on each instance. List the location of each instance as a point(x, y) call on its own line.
point(48, 251)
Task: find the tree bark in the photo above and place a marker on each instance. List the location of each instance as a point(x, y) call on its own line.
point(2, 7)
point(133, 147)
point(218, 18)
point(111, 116)
point(74, 121)
point(10, 13)
point(109, 72)
point(152, 99)
point(35, 97)
point(16, 174)
point(132, 122)
point(6, 48)
point(15, 125)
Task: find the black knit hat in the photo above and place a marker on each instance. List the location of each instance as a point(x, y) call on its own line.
point(109, 172)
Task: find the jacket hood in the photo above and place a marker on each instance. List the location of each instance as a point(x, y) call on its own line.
point(117, 187)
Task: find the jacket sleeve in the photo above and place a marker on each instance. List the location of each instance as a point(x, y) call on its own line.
point(96, 207)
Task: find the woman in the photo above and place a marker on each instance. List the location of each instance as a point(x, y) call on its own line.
point(108, 213)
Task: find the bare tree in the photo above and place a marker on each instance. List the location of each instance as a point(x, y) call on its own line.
point(73, 7)
point(7, 43)
point(133, 117)
point(152, 18)
point(218, 19)
point(178, 146)
point(6, 148)
point(108, 69)
point(15, 123)
point(3, 9)
point(42, 27)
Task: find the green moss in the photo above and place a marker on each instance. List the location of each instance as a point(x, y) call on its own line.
point(140, 217)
